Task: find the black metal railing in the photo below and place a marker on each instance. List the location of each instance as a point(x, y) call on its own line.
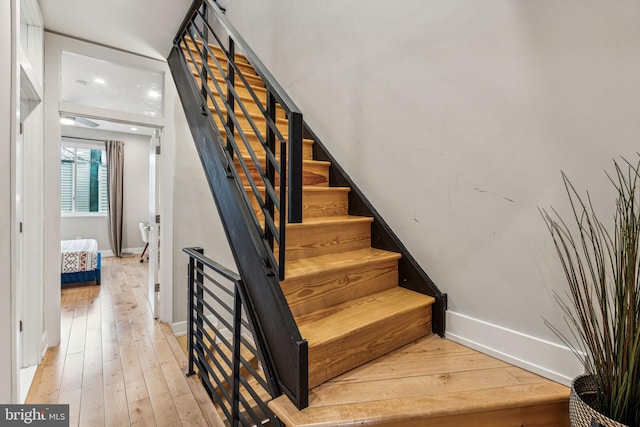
point(223, 348)
point(265, 161)
point(252, 244)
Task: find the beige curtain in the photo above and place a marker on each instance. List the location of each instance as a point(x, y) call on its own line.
point(115, 193)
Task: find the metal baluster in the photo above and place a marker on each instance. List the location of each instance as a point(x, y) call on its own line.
point(205, 59)
point(231, 81)
point(271, 173)
point(199, 292)
point(237, 329)
point(190, 349)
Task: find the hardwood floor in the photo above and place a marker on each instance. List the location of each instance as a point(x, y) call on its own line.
point(433, 382)
point(116, 365)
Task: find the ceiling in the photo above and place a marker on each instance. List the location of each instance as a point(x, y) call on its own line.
point(90, 125)
point(144, 27)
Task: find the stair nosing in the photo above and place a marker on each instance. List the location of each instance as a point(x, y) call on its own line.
point(330, 220)
point(312, 189)
point(280, 120)
point(309, 162)
point(294, 271)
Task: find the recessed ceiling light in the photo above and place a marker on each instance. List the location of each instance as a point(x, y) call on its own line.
point(67, 121)
point(134, 129)
point(99, 81)
point(154, 94)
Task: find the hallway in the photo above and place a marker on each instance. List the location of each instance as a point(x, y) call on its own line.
point(116, 365)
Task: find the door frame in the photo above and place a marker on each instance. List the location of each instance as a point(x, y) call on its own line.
point(54, 46)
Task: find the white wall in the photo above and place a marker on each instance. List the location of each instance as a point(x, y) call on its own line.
point(455, 118)
point(136, 193)
point(6, 363)
point(195, 218)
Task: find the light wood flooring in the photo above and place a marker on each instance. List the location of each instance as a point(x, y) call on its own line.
point(432, 382)
point(116, 365)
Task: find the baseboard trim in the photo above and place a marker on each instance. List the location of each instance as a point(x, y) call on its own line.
point(547, 359)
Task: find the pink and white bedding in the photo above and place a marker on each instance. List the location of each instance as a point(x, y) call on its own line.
point(79, 255)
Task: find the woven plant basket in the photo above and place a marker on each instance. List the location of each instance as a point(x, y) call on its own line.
point(581, 401)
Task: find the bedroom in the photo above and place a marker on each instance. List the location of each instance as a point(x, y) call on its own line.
point(81, 221)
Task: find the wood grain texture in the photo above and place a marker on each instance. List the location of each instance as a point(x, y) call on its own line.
point(221, 87)
point(257, 117)
point(314, 173)
point(116, 365)
point(317, 202)
point(432, 382)
point(314, 283)
point(342, 337)
point(322, 236)
point(258, 148)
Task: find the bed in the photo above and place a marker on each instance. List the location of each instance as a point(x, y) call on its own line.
point(80, 261)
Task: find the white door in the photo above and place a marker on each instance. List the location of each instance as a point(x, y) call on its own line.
point(154, 222)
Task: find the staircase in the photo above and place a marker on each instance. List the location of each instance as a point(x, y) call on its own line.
point(363, 313)
point(343, 293)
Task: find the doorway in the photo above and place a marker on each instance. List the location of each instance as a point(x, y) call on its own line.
point(82, 140)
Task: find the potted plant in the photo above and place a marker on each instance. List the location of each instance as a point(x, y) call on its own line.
point(601, 263)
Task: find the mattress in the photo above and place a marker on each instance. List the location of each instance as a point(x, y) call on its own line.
point(79, 255)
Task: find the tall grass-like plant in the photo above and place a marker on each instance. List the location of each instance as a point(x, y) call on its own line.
point(602, 307)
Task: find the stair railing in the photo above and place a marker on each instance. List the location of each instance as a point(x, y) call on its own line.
point(221, 344)
point(275, 186)
point(246, 183)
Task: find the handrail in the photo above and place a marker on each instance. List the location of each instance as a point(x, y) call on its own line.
point(272, 84)
point(230, 124)
point(186, 22)
point(267, 308)
point(287, 199)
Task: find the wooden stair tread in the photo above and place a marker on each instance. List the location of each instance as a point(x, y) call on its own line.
point(347, 318)
point(331, 262)
point(434, 382)
point(312, 189)
point(250, 76)
point(223, 61)
point(319, 222)
point(221, 80)
point(217, 49)
point(255, 117)
point(249, 131)
point(261, 157)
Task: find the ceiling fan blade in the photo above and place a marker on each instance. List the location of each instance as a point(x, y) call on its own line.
point(86, 122)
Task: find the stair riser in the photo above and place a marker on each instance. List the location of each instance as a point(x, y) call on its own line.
point(314, 204)
point(309, 293)
point(243, 121)
point(240, 88)
point(312, 174)
point(251, 107)
point(247, 70)
point(307, 146)
point(216, 50)
point(303, 242)
point(345, 353)
point(252, 79)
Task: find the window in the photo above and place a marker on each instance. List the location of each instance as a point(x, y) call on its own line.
point(83, 179)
